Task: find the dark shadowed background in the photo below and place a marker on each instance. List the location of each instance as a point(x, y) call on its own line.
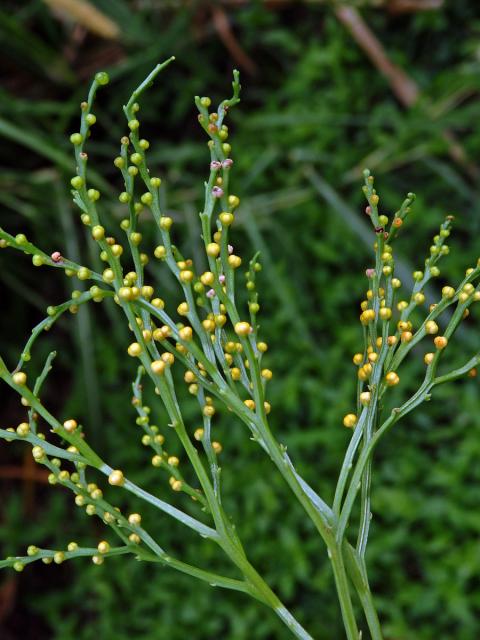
point(328, 89)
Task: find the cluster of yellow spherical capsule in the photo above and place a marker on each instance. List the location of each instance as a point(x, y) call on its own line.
point(38, 453)
point(210, 124)
point(213, 248)
point(58, 557)
point(468, 292)
point(171, 463)
point(387, 256)
point(252, 405)
point(159, 334)
point(62, 475)
point(94, 493)
point(103, 547)
point(244, 329)
point(20, 379)
point(116, 478)
point(391, 379)
point(405, 332)
point(130, 292)
point(199, 434)
point(116, 250)
point(212, 127)
point(367, 362)
point(191, 379)
point(153, 439)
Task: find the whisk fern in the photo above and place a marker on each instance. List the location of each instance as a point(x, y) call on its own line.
point(215, 340)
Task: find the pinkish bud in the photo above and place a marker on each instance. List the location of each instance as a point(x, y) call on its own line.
point(221, 279)
point(217, 192)
point(210, 293)
point(230, 249)
point(370, 273)
point(368, 210)
point(215, 165)
point(56, 256)
point(227, 163)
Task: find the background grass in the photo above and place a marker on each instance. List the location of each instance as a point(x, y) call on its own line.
point(314, 112)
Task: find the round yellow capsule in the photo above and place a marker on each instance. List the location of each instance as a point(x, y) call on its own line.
point(428, 358)
point(116, 478)
point(103, 546)
point(125, 293)
point(365, 397)
point(431, 327)
point(160, 252)
point(185, 333)
point(242, 328)
point(19, 378)
point(226, 218)
point(207, 278)
point(135, 519)
point(392, 379)
point(23, 429)
point(176, 485)
point(213, 249)
point(134, 538)
point(440, 342)
point(186, 275)
point(158, 367)
point(134, 350)
point(234, 261)
point(350, 420)
point(166, 223)
point(70, 425)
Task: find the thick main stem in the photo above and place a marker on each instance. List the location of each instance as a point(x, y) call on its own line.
point(327, 533)
point(370, 614)
point(355, 566)
point(263, 592)
point(343, 592)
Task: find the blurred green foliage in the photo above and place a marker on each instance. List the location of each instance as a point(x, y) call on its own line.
point(314, 108)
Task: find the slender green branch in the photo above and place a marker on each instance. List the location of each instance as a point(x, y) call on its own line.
point(202, 529)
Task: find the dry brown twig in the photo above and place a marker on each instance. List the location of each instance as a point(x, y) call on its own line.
point(404, 88)
point(222, 26)
point(88, 16)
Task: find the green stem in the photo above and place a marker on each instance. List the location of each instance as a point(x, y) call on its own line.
point(357, 573)
point(263, 592)
point(202, 529)
point(347, 462)
point(343, 592)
